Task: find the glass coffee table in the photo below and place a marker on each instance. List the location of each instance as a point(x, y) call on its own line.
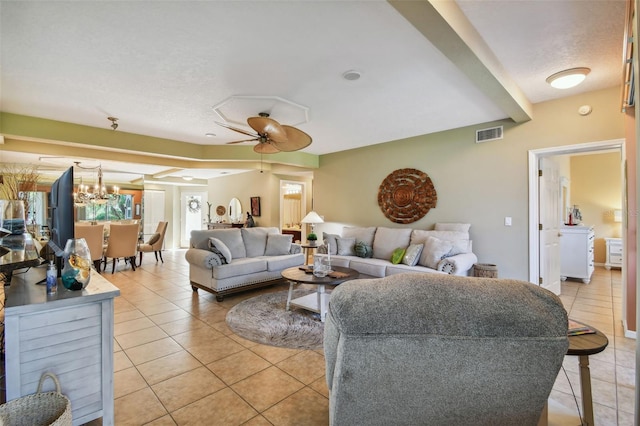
point(318, 301)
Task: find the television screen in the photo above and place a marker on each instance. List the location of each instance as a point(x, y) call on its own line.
point(61, 217)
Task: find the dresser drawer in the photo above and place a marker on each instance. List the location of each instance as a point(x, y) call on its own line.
point(615, 259)
point(615, 249)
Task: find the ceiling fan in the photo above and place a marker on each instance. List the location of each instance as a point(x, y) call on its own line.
point(272, 136)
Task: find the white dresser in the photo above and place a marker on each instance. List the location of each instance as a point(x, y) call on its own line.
point(614, 253)
point(576, 252)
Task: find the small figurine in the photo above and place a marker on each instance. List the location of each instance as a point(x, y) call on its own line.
point(250, 223)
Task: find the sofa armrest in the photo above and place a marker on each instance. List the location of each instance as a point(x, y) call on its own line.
point(460, 264)
point(295, 248)
point(202, 258)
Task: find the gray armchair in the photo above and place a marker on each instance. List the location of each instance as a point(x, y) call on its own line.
point(432, 349)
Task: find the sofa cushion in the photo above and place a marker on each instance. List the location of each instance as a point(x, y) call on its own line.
point(279, 263)
point(255, 240)
point(460, 246)
point(412, 254)
point(388, 239)
point(346, 246)
point(244, 266)
point(451, 226)
point(363, 250)
point(360, 234)
point(330, 241)
point(232, 238)
point(403, 269)
point(221, 249)
point(434, 251)
point(372, 267)
point(419, 236)
point(278, 244)
point(397, 255)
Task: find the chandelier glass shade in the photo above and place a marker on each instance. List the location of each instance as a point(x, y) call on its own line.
point(97, 194)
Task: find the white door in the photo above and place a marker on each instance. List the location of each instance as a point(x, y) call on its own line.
point(193, 216)
point(549, 190)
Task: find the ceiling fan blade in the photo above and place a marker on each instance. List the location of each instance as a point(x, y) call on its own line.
point(246, 140)
point(266, 148)
point(296, 140)
point(271, 127)
point(235, 129)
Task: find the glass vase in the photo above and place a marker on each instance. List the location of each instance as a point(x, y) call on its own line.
point(76, 270)
point(13, 216)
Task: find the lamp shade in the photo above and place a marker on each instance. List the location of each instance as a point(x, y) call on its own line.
point(312, 217)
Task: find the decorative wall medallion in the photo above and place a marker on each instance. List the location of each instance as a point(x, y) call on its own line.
point(221, 210)
point(406, 195)
point(194, 205)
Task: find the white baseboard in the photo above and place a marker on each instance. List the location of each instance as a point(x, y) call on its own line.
point(628, 333)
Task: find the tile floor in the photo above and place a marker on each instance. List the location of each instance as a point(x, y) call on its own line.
point(598, 304)
point(176, 362)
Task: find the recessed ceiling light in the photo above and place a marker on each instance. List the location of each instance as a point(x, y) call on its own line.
point(210, 135)
point(568, 78)
point(187, 177)
point(351, 75)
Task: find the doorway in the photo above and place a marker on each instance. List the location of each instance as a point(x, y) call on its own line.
point(293, 207)
point(192, 215)
point(538, 265)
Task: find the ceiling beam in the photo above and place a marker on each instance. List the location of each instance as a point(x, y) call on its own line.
point(449, 30)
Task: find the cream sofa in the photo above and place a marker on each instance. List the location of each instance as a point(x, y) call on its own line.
point(224, 261)
point(369, 250)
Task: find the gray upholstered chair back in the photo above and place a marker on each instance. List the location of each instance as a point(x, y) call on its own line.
point(431, 349)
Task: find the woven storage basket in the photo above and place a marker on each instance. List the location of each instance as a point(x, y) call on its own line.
point(39, 409)
point(485, 270)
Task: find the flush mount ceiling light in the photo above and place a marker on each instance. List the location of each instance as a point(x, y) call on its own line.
point(568, 78)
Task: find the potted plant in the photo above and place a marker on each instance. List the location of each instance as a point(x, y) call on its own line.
point(312, 238)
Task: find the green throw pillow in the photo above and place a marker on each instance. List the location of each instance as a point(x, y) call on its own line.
point(363, 250)
point(397, 255)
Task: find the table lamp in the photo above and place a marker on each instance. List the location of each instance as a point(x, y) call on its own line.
point(312, 218)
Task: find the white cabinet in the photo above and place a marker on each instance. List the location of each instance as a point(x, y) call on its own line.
point(576, 252)
point(614, 253)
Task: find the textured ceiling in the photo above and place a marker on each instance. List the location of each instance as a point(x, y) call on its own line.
point(161, 66)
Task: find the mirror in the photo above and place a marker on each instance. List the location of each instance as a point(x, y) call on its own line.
point(235, 211)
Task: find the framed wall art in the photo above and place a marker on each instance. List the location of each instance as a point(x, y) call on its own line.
point(255, 206)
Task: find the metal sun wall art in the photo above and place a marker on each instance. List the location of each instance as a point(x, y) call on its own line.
point(407, 195)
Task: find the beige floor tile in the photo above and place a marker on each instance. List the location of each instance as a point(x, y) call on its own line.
point(196, 336)
point(306, 366)
point(305, 407)
point(127, 381)
point(272, 353)
point(140, 337)
point(210, 351)
point(138, 408)
point(221, 408)
point(168, 366)
point(238, 366)
point(320, 386)
point(127, 316)
point(182, 325)
point(266, 388)
point(131, 326)
point(186, 388)
point(121, 361)
point(258, 421)
point(156, 308)
point(152, 350)
point(162, 421)
point(169, 316)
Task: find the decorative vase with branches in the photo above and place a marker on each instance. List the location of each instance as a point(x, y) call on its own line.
point(16, 182)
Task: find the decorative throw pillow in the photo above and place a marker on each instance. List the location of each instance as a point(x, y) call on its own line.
point(459, 227)
point(221, 249)
point(412, 254)
point(346, 246)
point(434, 251)
point(330, 240)
point(397, 255)
point(278, 244)
point(363, 250)
point(154, 239)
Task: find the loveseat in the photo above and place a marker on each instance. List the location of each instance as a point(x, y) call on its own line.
point(381, 251)
point(429, 349)
point(224, 261)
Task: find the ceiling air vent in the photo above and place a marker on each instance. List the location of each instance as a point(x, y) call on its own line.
point(486, 135)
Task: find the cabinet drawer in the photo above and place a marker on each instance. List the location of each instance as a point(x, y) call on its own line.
point(615, 259)
point(615, 249)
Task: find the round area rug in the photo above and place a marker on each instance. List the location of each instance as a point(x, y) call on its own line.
point(264, 319)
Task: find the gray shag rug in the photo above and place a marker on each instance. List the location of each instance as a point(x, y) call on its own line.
point(264, 319)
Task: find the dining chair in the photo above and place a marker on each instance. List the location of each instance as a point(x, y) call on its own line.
point(123, 242)
point(94, 236)
point(155, 242)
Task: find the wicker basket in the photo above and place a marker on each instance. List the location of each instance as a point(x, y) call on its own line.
point(485, 270)
point(39, 409)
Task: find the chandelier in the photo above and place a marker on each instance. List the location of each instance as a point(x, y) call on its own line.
point(96, 195)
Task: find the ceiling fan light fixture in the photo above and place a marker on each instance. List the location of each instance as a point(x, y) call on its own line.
point(568, 78)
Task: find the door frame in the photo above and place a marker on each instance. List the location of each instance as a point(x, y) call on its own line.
point(534, 198)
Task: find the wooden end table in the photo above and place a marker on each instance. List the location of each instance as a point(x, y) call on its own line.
point(318, 301)
point(582, 346)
